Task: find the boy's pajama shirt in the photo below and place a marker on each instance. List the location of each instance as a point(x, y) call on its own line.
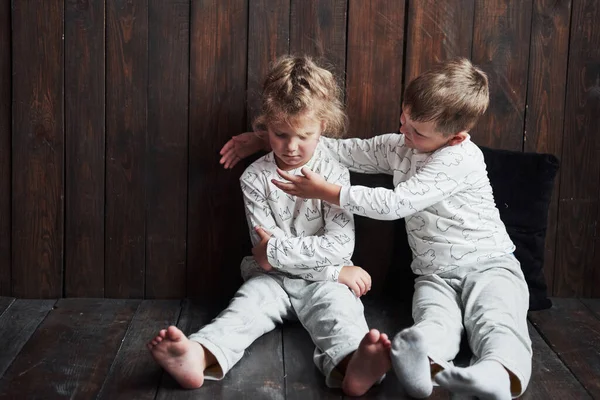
point(312, 241)
point(461, 250)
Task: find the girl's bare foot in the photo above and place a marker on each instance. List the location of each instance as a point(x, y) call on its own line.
point(184, 359)
point(368, 363)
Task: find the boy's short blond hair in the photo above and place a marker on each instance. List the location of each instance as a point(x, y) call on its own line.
point(453, 94)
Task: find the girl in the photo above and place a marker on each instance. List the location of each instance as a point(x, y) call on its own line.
point(302, 249)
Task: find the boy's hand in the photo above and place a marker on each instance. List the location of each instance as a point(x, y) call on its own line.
point(356, 278)
point(242, 146)
point(260, 250)
point(309, 185)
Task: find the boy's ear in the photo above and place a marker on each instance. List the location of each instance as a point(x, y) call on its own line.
point(457, 138)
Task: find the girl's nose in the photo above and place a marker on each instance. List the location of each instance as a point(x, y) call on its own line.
point(292, 145)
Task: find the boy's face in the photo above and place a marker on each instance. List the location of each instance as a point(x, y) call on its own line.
point(294, 144)
point(423, 136)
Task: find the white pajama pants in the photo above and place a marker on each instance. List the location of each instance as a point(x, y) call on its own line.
point(490, 300)
point(329, 311)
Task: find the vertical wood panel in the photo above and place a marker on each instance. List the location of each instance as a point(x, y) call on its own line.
point(38, 153)
point(437, 31)
point(5, 146)
point(84, 136)
point(168, 98)
point(373, 92)
point(501, 48)
point(268, 38)
point(318, 29)
point(126, 129)
point(216, 219)
point(374, 69)
point(546, 98)
point(577, 220)
point(580, 172)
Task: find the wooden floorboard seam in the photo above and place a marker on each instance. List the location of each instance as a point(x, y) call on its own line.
point(161, 380)
point(33, 331)
point(285, 382)
point(551, 346)
point(8, 306)
point(112, 364)
point(593, 311)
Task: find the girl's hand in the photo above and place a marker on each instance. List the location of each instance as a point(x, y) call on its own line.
point(356, 278)
point(242, 146)
point(260, 250)
point(309, 185)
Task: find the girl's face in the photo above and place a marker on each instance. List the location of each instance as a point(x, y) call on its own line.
point(294, 144)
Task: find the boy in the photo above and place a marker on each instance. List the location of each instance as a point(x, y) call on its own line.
point(468, 277)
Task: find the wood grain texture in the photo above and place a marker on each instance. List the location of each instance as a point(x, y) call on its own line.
point(374, 71)
point(303, 380)
point(258, 375)
point(391, 317)
point(70, 353)
point(5, 302)
point(593, 305)
point(550, 379)
point(126, 130)
point(318, 29)
point(546, 99)
point(84, 138)
point(580, 171)
point(373, 91)
point(437, 31)
point(167, 148)
point(5, 147)
point(575, 256)
point(17, 324)
point(134, 374)
point(217, 230)
point(268, 39)
point(501, 35)
point(576, 346)
point(38, 149)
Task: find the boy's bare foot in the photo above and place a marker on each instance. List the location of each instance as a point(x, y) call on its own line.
point(411, 363)
point(368, 363)
point(184, 359)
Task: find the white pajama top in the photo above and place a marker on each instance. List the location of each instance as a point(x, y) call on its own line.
point(311, 238)
point(445, 196)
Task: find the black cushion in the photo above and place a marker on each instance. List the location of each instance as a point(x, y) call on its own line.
point(522, 185)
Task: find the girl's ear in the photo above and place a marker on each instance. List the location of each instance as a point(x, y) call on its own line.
point(323, 126)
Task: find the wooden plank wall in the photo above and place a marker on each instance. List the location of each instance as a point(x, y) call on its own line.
point(112, 113)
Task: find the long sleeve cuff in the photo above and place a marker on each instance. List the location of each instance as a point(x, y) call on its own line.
point(345, 196)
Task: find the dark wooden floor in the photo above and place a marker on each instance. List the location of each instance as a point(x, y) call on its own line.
point(95, 349)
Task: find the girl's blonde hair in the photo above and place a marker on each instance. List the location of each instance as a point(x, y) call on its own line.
point(296, 85)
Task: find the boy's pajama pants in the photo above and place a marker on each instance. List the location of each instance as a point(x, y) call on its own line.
point(329, 311)
point(491, 299)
